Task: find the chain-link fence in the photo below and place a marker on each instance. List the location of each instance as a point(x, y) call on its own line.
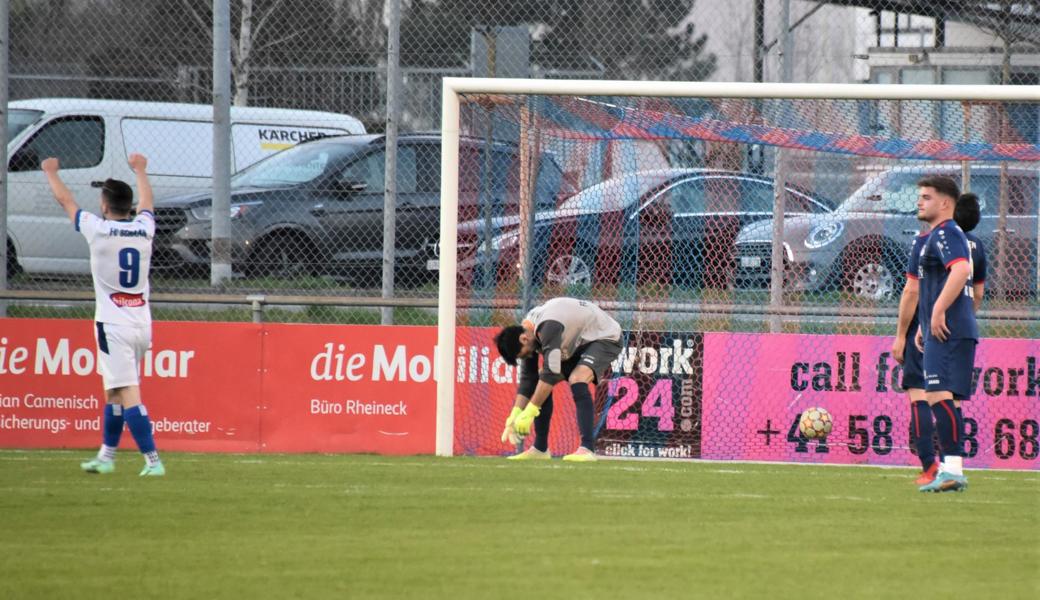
point(91, 81)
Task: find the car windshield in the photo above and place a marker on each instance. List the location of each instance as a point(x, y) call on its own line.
point(295, 166)
point(891, 192)
point(18, 119)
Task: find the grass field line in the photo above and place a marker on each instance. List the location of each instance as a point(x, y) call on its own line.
point(60, 455)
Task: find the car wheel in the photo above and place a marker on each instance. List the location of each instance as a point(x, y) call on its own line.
point(874, 275)
point(872, 281)
point(568, 269)
point(282, 256)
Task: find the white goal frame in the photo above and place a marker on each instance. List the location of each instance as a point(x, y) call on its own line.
point(454, 86)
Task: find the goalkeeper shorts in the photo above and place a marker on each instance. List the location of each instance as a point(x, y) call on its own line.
point(597, 355)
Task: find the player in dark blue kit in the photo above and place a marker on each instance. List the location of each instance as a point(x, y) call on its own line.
point(906, 352)
point(967, 216)
point(949, 332)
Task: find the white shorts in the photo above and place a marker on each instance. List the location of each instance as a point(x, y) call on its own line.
point(120, 350)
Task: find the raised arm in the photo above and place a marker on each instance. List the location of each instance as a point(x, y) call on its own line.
point(61, 192)
point(139, 164)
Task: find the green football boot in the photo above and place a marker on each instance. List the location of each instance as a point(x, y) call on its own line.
point(156, 470)
point(95, 465)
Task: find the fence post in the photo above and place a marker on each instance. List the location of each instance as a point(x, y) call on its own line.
point(393, 87)
point(220, 259)
point(257, 306)
point(776, 266)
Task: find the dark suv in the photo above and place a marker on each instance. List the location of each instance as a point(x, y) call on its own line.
point(862, 247)
point(317, 208)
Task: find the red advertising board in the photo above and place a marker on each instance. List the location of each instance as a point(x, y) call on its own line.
point(200, 382)
point(348, 389)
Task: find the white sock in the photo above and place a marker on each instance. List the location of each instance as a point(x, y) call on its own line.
point(152, 458)
point(106, 453)
point(954, 465)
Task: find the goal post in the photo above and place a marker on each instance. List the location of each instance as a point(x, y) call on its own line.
point(631, 137)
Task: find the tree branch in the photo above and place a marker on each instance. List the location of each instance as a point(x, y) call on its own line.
point(198, 18)
point(263, 19)
point(280, 40)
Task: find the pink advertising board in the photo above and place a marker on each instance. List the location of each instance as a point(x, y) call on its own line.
point(755, 386)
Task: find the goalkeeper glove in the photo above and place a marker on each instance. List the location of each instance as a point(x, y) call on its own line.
point(509, 435)
point(523, 421)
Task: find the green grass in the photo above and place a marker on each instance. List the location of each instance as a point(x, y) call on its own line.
point(309, 526)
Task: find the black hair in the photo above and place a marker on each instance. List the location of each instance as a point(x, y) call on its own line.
point(941, 184)
point(967, 211)
point(508, 343)
point(118, 195)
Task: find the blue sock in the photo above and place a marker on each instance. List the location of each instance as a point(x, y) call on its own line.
point(541, 425)
point(140, 427)
point(923, 427)
point(113, 425)
point(949, 428)
point(585, 414)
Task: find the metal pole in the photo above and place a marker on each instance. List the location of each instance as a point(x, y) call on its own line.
point(1003, 261)
point(786, 43)
point(4, 82)
point(777, 271)
point(488, 273)
point(760, 39)
point(220, 259)
point(528, 161)
point(393, 87)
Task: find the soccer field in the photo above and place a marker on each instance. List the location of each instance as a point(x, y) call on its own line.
point(314, 526)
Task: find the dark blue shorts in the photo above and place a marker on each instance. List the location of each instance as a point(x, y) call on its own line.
point(948, 366)
point(913, 364)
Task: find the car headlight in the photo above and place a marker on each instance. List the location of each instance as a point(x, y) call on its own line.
point(205, 212)
point(505, 240)
point(824, 234)
point(202, 213)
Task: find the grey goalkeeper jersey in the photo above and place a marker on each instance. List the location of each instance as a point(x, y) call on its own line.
point(583, 322)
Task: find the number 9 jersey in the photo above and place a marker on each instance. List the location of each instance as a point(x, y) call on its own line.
point(120, 257)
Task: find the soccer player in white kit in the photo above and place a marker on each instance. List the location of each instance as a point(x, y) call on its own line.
point(120, 256)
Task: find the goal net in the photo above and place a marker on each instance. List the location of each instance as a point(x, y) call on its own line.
point(752, 240)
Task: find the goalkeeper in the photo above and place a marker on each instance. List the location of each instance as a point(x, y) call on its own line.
point(577, 341)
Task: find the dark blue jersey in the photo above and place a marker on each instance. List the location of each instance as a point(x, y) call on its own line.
point(912, 264)
point(978, 258)
point(946, 246)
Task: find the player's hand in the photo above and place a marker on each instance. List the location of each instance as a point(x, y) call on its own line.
point(509, 435)
point(938, 328)
point(919, 340)
point(523, 421)
point(50, 165)
point(138, 162)
point(898, 348)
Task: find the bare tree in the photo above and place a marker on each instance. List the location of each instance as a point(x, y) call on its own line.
point(244, 45)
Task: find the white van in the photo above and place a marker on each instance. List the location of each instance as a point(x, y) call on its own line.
point(92, 139)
